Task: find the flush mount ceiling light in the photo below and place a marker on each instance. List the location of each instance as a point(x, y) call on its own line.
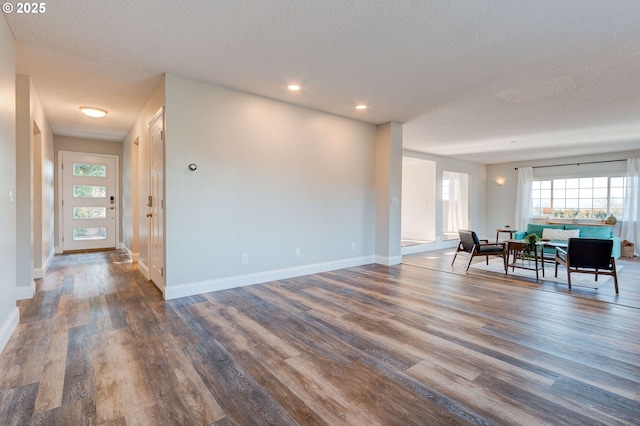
point(361, 106)
point(93, 111)
point(293, 87)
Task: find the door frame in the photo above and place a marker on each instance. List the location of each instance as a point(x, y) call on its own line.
point(60, 192)
point(157, 209)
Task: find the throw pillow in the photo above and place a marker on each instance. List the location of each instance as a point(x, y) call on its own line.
point(559, 234)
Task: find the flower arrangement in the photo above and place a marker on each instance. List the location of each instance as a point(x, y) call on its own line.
point(529, 249)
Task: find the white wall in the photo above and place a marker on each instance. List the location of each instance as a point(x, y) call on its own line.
point(477, 197)
point(501, 200)
point(135, 181)
point(9, 313)
point(34, 192)
point(271, 177)
point(418, 199)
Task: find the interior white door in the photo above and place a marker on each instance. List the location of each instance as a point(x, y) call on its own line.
point(156, 201)
point(89, 201)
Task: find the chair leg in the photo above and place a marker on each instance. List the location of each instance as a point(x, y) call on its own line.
point(615, 274)
point(569, 276)
point(458, 250)
point(470, 259)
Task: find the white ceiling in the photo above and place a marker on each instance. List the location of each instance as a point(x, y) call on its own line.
point(489, 81)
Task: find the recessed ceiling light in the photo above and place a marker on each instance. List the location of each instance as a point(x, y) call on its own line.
point(93, 111)
point(293, 87)
point(361, 106)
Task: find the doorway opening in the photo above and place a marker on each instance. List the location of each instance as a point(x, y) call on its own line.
point(418, 217)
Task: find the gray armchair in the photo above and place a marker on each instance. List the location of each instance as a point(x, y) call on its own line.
point(587, 256)
point(469, 243)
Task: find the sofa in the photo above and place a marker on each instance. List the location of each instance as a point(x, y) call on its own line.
point(585, 231)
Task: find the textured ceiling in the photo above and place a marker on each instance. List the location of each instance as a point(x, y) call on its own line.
point(487, 81)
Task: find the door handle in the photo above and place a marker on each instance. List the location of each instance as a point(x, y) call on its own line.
point(149, 214)
point(112, 208)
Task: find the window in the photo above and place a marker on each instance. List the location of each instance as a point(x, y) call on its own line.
point(455, 203)
point(96, 170)
point(579, 198)
point(89, 212)
point(81, 234)
point(89, 191)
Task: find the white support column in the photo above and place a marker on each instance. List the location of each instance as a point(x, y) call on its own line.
point(388, 193)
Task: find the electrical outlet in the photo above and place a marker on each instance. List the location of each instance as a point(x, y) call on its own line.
point(245, 259)
point(297, 252)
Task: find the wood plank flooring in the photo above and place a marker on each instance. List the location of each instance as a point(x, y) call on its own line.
point(416, 344)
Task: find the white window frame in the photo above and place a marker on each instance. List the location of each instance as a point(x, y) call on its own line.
point(541, 202)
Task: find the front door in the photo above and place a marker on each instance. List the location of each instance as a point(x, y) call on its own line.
point(89, 200)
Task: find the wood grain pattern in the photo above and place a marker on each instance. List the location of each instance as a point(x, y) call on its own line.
point(414, 344)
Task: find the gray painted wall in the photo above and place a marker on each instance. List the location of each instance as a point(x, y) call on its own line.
point(9, 314)
point(34, 187)
point(272, 177)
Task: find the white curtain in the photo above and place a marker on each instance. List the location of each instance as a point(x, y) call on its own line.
point(630, 229)
point(458, 206)
point(523, 199)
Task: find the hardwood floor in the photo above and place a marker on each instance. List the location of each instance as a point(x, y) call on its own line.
point(420, 343)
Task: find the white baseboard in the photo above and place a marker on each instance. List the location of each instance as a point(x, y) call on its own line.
point(58, 250)
point(421, 248)
point(388, 260)
point(24, 292)
point(47, 262)
point(190, 289)
point(37, 273)
point(144, 269)
point(8, 327)
point(135, 257)
point(41, 272)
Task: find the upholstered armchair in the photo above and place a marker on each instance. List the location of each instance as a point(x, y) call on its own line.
point(469, 243)
point(587, 256)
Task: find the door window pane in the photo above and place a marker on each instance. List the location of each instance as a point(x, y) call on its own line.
point(95, 170)
point(81, 234)
point(89, 212)
point(89, 191)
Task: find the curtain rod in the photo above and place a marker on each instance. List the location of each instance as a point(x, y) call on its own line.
point(575, 164)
